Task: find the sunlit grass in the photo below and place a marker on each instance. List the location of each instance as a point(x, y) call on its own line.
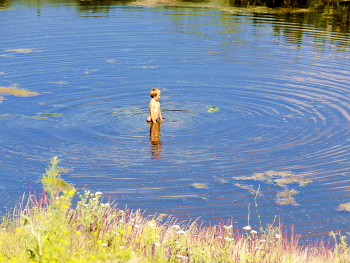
point(48, 228)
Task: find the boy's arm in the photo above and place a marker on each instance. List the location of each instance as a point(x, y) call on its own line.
point(160, 114)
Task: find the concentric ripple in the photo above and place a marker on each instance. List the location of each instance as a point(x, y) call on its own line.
point(252, 106)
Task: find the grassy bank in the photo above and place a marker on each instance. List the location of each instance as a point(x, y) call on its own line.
point(48, 228)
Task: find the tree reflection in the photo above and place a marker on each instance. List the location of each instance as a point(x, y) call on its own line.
point(154, 136)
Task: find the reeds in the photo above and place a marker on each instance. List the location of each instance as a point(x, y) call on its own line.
point(49, 229)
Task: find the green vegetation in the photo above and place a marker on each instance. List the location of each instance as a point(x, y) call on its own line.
point(212, 109)
point(50, 229)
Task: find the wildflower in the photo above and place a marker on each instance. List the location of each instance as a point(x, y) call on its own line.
point(262, 240)
point(98, 193)
point(228, 239)
point(137, 226)
point(278, 236)
point(106, 204)
point(19, 230)
point(258, 248)
point(152, 224)
point(247, 228)
point(104, 244)
point(3, 229)
point(253, 232)
point(181, 256)
point(78, 232)
point(181, 232)
point(157, 244)
point(228, 227)
point(121, 247)
point(176, 226)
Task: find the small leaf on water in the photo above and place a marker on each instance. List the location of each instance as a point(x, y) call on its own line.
point(212, 109)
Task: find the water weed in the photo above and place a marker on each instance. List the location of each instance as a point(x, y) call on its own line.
point(49, 228)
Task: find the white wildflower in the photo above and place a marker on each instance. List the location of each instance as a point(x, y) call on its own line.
point(258, 248)
point(228, 227)
point(253, 232)
point(98, 193)
point(176, 226)
point(152, 224)
point(228, 239)
point(278, 236)
point(247, 228)
point(157, 244)
point(181, 232)
point(181, 256)
point(137, 226)
point(104, 244)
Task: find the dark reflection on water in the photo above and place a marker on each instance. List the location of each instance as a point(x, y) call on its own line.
point(279, 85)
point(154, 136)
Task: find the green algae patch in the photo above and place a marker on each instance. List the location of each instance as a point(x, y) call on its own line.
point(212, 109)
point(17, 92)
point(20, 50)
point(200, 186)
point(344, 207)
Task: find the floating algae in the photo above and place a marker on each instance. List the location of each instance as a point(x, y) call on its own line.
point(281, 179)
point(16, 92)
point(286, 197)
point(250, 188)
point(200, 186)
point(212, 109)
point(52, 114)
point(20, 50)
point(344, 207)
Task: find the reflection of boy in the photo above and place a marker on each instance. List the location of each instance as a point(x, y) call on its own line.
point(154, 136)
point(154, 106)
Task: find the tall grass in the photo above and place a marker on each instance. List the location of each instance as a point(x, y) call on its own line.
point(49, 229)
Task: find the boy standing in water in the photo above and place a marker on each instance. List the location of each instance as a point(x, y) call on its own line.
point(155, 113)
